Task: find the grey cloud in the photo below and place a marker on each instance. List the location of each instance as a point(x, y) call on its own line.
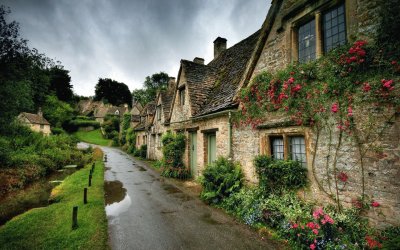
point(128, 40)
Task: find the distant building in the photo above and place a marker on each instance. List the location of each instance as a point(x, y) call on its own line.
point(35, 121)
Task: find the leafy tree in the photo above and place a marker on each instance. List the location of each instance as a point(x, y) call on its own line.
point(56, 111)
point(60, 83)
point(113, 92)
point(151, 85)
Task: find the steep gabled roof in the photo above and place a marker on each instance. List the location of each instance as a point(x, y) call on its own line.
point(167, 96)
point(230, 66)
point(199, 81)
point(35, 118)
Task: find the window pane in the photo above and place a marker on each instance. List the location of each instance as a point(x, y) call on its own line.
point(277, 148)
point(334, 28)
point(298, 149)
point(307, 41)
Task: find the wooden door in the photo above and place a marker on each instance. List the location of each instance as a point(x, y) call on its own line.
point(193, 153)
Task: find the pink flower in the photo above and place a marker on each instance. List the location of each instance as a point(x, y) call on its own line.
point(318, 212)
point(387, 84)
point(335, 108)
point(315, 231)
point(296, 88)
point(312, 225)
point(375, 204)
point(290, 80)
point(327, 219)
point(349, 111)
point(312, 246)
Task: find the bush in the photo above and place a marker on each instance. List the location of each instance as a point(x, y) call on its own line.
point(57, 131)
point(220, 180)
point(74, 125)
point(173, 149)
point(279, 175)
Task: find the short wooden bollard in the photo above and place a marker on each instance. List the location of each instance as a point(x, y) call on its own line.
point(85, 196)
point(105, 158)
point(93, 165)
point(90, 180)
point(75, 217)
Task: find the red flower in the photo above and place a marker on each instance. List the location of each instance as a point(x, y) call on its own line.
point(312, 246)
point(387, 84)
point(366, 87)
point(296, 88)
point(393, 62)
point(349, 111)
point(375, 204)
point(335, 108)
point(372, 243)
point(343, 176)
point(315, 231)
point(290, 80)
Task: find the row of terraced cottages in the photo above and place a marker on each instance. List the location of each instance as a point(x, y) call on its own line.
point(201, 101)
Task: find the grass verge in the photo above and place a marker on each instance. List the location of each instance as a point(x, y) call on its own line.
point(50, 227)
point(94, 137)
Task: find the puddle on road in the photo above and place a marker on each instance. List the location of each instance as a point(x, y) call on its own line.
point(171, 189)
point(117, 200)
point(114, 191)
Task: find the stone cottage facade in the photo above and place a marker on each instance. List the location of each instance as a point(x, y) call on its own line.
point(300, 31)
point(35, 122)
point(146, 120)
point(161, 120)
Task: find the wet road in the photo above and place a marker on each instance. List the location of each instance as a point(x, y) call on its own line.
point(145, 211)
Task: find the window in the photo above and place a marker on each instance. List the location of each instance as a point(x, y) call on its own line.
point(307, 42)
point(277, 148)
point(158, 112)
point(298, 149)
point(159, 142)
point(288, 147)
point(325, 31)
point(182, 96)
point(334, 27)
point(211, 148)
point(41, 126)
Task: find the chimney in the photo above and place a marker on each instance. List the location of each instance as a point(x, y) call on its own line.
point(40, 113)
point(219, 46)
point(198, 60)
point(171, 82)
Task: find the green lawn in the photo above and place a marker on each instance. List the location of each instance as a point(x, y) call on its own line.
point(94, 137)
point(50, 227)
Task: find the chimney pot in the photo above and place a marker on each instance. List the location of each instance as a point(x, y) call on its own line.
point(40, 113)
point(219, 46)
point(198, 60)
point(171, 82)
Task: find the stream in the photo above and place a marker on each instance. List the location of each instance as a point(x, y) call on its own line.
point(34, 195)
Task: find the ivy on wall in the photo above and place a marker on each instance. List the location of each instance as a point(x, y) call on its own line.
point(351, 93)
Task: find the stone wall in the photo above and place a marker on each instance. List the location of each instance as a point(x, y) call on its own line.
point(377, 177)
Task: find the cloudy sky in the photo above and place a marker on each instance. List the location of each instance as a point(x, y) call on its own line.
point(127, 40)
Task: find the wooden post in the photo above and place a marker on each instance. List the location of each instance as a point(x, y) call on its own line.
point(85, 196)
point(74, 217)
point(90, 180)
point(105, 158)
point(93, 165)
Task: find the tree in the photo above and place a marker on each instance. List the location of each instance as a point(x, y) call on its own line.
point(60, 83)
point(56, 111)
point(113, 92)
point(152, 84)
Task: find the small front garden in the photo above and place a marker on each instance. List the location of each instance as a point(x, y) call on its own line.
point(273, 206)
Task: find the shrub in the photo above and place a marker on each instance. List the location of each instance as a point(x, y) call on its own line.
point(173, 149)
point(221, 179)
point(143, 151)
point(278, 175)
point(57, 131)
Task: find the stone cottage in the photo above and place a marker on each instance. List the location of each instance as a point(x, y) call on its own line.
point(146, 120)
point(101, 112)
point(135, 113)
point(161, 120)
point(203, 101)
point(301, 31)
point(36, 122)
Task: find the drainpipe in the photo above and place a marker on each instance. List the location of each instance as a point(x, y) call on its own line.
point(230, 155)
